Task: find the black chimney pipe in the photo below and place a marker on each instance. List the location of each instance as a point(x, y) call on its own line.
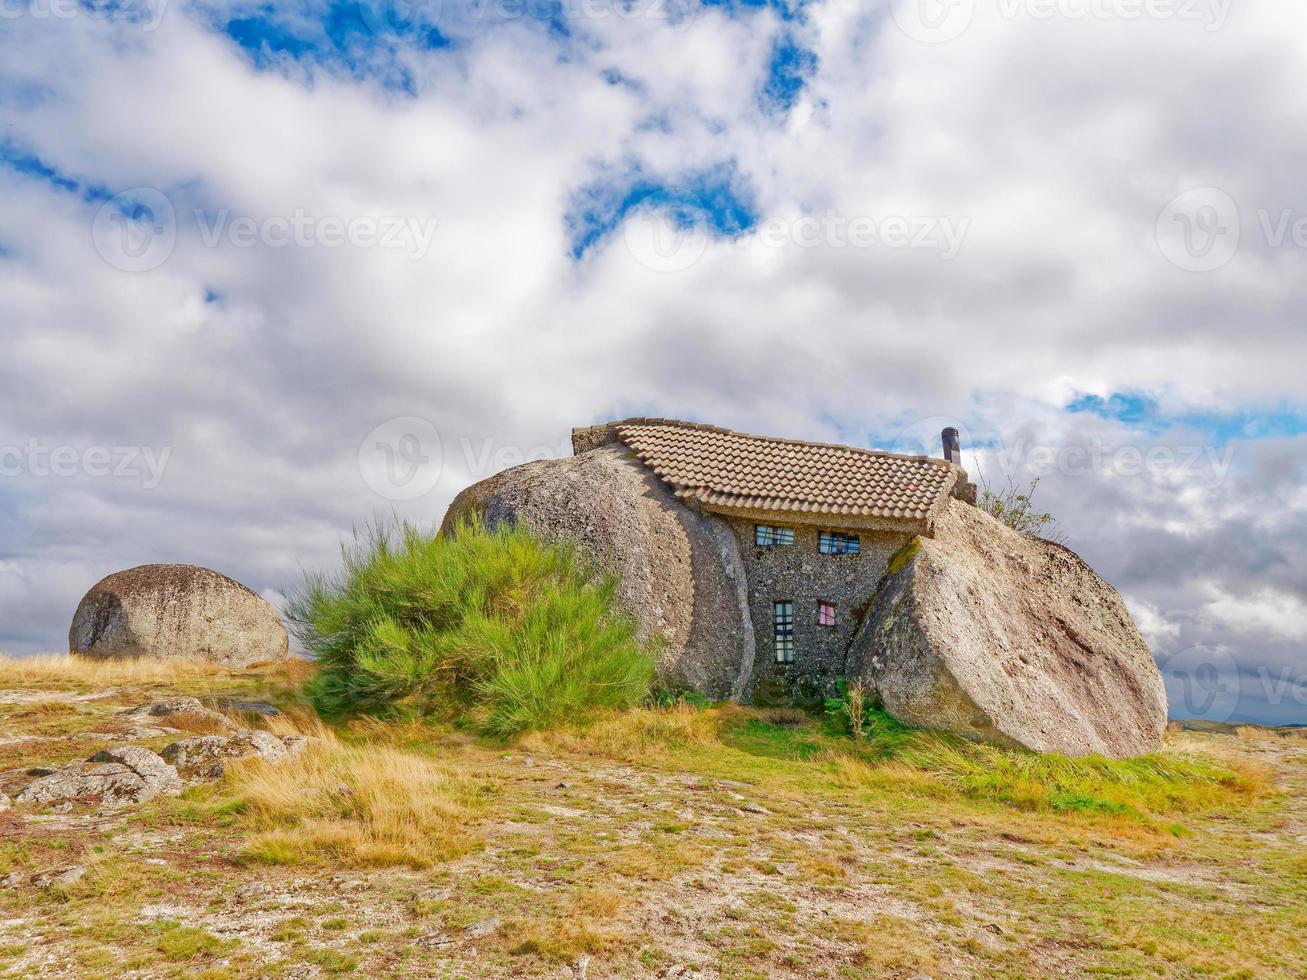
point(952, 445)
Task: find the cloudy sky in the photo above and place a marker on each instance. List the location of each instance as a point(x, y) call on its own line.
point(269, 269)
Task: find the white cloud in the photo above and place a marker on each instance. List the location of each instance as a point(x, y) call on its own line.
point(1266, 611)
point(1159, 631)
point(1058, 142)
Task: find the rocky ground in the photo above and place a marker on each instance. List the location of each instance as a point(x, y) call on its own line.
point(730, 844)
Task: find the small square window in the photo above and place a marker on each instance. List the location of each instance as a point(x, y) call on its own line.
point(837, 543)
point(770, 537)
point(825, 614)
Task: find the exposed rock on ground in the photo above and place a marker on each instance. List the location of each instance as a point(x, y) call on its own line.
point(249, 708)
point(122, 775)
point(115, 777)
point(204, 757)
point(995, 635)
point(179, 710)
point(59, 877)
point(162, 611)
point(681, 574)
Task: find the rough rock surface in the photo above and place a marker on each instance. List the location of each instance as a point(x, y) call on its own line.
point(64, 877)
point(162, 611)
point(997, 636)
point(681, 574)
point(205, 757)
point(177, 708)
point(114, 777)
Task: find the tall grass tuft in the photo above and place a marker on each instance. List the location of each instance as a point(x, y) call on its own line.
point(494, 627)
point(359, 805)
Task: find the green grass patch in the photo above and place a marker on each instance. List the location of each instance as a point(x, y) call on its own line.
point(493, 628)
point(894, 756)
point(183, 944)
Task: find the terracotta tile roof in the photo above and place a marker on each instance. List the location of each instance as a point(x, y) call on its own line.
point(731, 471)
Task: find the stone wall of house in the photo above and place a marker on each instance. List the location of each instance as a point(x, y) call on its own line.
point(799, 574)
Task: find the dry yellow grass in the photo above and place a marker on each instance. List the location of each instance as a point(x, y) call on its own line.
point(60, 669)
point(634, 735)
point(1256, 733)
point(361, 805)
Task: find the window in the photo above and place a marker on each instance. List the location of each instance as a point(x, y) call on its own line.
point(825, 614)
point(783, 631)
point(769, 537)
point(837, 543)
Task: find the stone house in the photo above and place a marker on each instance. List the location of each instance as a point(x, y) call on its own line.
point(816, 526)
point(765, 569)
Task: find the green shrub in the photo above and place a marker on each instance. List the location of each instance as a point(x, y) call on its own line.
point(1017, 510)
point(850, 709)
point(493, 627)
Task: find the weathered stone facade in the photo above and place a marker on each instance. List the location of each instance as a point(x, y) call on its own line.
point(799, 574)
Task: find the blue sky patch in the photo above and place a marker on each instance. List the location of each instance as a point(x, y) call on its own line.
point(784, 9)
point(358, 38)
point(31, 165)
point(1143, 412)
point(789, 70)
point(717, 199)
point(1132, 409)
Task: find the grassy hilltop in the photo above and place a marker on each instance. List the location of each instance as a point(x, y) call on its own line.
point(651, 841)
point(492, 789)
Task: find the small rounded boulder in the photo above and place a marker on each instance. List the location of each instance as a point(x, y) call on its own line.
point(185, 611)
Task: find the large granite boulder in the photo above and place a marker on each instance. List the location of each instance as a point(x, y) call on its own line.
point(162, 611)
point(682, 578)
point(997, 636)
